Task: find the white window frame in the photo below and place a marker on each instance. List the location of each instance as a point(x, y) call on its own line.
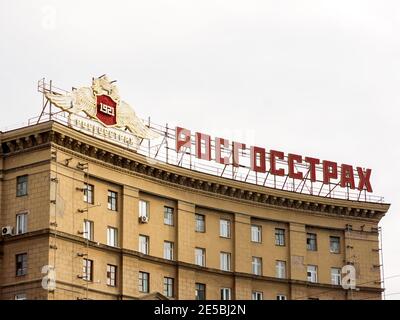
point(20, 296)
point(200, 223)
point(200, 257)
point(144, 208)
point(330, 244)
point(225, 228)
point(144, 244)
point(280, 269)
point(144, 282)
point(169, 216)
point(24, 228)
point(226, 294)
point(112, 237)
point(312, 237)
point(312, 273)
point(88, 193)
point(257, 295)
point(280, 235)
point(112, 275)
point(168, 287)
point(88, 234)
point(281, 297)
point(336, 276)
point(225, 261)
point(112, 202)
point(256, 266)
point(168, 250)
point(256, 233)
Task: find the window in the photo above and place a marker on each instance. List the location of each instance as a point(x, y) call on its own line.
point(334, 243)
point(20, 296)
point(88, 193)
point(112, 200)
point(256, 295)
point(22, 186)
point(22, 223)
point(143, 208)
point(225, 261)
point(88, 229)
point(168, 250)
point(256, 233)
point(169, 216)
point(281, 297)
point(87, 270)
point(200, 223)
point(280, 237)
point(336, 277)
point(226, 294)
point(111, 275)
point(312, 274)
point(200, 256)
point(144, 282)
point(280, 267)
point(144, 244)
point(21, 264)
point(168, 287)
point(200, 291)
point(257, 266)
point(311, 242)
point(225, 228)
point(112, 237)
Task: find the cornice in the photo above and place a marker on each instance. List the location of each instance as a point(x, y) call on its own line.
point(127, 160)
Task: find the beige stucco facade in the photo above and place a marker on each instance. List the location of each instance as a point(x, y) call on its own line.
point(50, 153)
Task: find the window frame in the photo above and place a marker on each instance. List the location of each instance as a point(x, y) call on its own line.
point(25, 224)
point(112, 271)
point(255, 294)
point(87, 265)
point(258, 232)
point(147, 242)
point(336, 276)
point(254, 265)
point(88, 193)
point(312, 238)
point(21, 266)
point(200, 287)
point(147, 213)
point(279, 266)
point(115, 236)
point(88, 235)
point(228, 228)
point(199, 222)
point(338, 244)
point(280, 237)
point(228, 256)
point(315, 271)
point(223, 292)
point(171, 250)
point(168, 287)
point(144, 282)
point(21, 192)
point(169, 216)
point(203, 256)
point(112, 200)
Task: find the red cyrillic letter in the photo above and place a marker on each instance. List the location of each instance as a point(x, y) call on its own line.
point(218, 157)
point(255, 153)
point(182, 138)
point(313, 166)
point(291, 159)
point(273, 156)
point(364, 179)
point(328, 173)
point(347, 176)
point(206, 155)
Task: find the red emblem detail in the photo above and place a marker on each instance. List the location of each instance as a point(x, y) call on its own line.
point(106, 110)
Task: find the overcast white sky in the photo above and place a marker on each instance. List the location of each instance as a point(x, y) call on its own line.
point(318, 78)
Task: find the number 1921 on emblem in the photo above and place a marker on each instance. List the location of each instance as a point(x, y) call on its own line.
point(107, 109)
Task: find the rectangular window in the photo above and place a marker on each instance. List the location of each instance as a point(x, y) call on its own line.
point(256, 295)
point(88, 230)
point(257, 266)
point(87, 270)
point(336, 276)
point(112, 200)
point(281, 297)
point(280, 269)
point(225, 261)
point(111, 275)
point(200, 256)
point(334, 244)
point(226, 294)
point(225, 228)
point(279, 237)
point(168, 250)
point(22, 186)
point(22, 223)
point(21, 264)
point(88, 193)
point(312, 275)
point(144, 244)
point(311, 242)
point(256, 233)
point(144, 282)
point(21, 296)
point(112, 237)
point(200, 291)
point(143, 208)
point(200, 223)
point(169, 216)
point(168, 287)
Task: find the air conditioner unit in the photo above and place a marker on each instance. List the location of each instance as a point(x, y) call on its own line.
point(143, 219)
point(7, 231)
